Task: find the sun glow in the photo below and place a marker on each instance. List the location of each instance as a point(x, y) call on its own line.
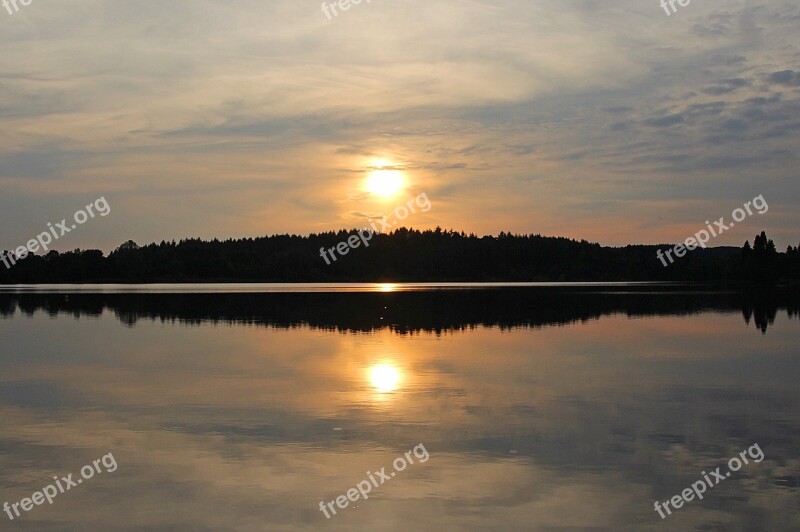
point(384, 181)
point(384, 378)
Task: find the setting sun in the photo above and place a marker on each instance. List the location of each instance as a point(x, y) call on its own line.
point(385, 183)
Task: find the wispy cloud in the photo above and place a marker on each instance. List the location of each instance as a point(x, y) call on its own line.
point(206, 118)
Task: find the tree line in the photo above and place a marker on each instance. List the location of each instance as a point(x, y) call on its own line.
point(403, 255)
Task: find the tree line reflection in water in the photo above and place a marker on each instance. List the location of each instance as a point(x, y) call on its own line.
point(410, 312)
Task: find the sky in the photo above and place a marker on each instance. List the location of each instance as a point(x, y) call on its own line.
point(607, 121)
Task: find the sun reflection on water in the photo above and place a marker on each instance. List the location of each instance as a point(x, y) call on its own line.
point(387, 287)
point(384, 378)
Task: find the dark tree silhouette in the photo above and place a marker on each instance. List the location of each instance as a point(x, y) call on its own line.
point(402, 256)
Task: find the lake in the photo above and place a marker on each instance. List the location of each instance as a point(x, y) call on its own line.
point(399, 407)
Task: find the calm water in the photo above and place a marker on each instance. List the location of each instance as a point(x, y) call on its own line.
point(537, 407)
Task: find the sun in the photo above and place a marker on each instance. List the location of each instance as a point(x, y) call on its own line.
point(385, 183)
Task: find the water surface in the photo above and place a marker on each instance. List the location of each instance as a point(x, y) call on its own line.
point(540, 407)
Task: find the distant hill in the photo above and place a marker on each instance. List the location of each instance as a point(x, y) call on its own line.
point(402, 255)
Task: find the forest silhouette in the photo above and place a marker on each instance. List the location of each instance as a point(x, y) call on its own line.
point(404, 255)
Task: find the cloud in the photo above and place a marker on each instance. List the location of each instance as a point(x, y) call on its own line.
point(242, 119)
point(785, 77)
point(726, 86)
point(665, 121)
